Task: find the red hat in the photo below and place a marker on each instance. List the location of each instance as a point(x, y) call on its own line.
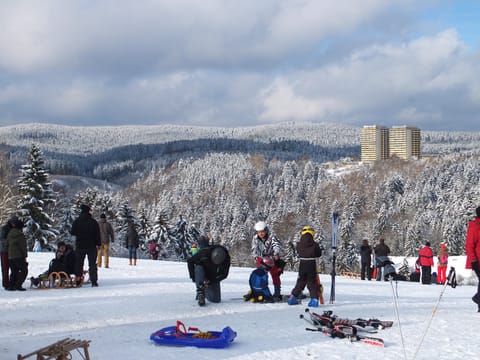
point(194, 245)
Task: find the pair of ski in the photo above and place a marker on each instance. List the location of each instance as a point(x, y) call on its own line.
point(346, 328)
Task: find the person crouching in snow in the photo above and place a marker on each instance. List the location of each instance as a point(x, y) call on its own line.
point(207, 268)
point(308, 252)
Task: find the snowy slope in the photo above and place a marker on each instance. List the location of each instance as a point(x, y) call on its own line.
point(132, 302)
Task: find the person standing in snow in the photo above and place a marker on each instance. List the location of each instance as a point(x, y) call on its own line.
point(442, 264)
point(17, 255)
point(106, 237)
point(472, 247)
point(132, 242)
point(207, 268)
point(426, 262)
point(308, 252)
point(365, 260)
point(265, 244)
point(4, 254)
point(87, 242)
point(381, 251)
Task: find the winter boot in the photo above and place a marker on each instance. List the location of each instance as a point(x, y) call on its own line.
point(201, 295)
point(248, 296)
point(276, 293)
point(292, 300)
point(313, 302)
point(130, 263)
point(134, 262)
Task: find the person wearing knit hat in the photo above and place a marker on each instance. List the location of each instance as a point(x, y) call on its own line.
point(308, 252)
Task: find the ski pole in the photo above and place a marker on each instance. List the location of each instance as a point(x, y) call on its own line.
point(398, 318)
point(452, 282)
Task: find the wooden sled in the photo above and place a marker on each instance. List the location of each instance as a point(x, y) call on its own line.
point(60, 280)
point(350, 274)
point(61, 350)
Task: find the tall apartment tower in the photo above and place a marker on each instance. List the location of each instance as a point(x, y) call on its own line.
point(404, 142)
point(374, 143)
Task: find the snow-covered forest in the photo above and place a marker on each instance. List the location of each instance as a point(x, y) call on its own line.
point(179, 182)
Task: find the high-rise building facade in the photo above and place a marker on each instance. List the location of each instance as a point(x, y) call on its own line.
point(404, 142)
point(374, 143)
point(380, 143)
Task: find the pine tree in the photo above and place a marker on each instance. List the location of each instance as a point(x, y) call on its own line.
point(37, 199)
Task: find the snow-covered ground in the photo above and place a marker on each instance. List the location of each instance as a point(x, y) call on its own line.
point(132, 302)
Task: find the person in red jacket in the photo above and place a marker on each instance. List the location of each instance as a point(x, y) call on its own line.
point(426, 262)
point(472, 247)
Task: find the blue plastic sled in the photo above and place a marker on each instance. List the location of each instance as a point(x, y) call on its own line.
point(179, 336)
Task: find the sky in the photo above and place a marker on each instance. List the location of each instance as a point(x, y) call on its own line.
point(133, 302)
point(226, 63)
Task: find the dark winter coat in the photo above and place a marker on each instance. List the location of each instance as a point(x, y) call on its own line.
point(131, 237)
point(307, 248)
point(213, 272)
point(472, 244)
point(16, 244)
point(381, 249)
point(87, 232)
point(3, 237)
point(366, 254)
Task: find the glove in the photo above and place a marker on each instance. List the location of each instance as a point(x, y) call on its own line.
point(475, 266)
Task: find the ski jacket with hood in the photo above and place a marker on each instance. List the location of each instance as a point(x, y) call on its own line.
point(472, 243)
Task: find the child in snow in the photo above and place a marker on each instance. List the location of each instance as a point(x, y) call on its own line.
point(308, 252)
point(442, 264)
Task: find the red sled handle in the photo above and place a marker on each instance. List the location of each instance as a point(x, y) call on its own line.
point(181, 328)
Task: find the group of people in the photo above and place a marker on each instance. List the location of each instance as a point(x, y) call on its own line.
point(92, 240)
point(209, 264)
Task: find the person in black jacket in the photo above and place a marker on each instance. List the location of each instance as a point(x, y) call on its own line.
point(365, 260)
point(308, 252)
point(87, 242)
point(207, 268)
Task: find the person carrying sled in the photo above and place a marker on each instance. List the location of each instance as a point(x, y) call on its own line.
point(265, 244)
point(207, 268)
point(365, 260)
point(472, 248)
point(308, 251)
point(426, 262)
point(442, 264)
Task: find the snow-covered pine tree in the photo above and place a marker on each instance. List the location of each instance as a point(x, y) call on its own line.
point(160, 235)
point(182, 237)
point(405, 269)
point(144, 229)
point(36, 201)
point(7, 198)
point(124, 213)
